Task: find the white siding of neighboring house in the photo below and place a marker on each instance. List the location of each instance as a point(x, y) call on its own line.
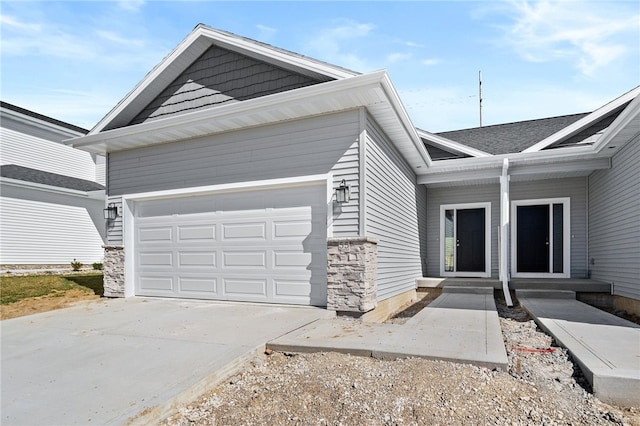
point(40, 227)
point(30, 151)
point(614, 222)
point(392, 215)
point(324, 144)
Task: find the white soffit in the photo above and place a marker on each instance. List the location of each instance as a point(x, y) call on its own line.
point(625, 128)
point(194, 45)
point(584, 122)
point(373, 91)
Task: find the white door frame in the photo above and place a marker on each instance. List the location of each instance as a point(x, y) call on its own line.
point(129, 200)
point(487, 237)
point(566, 238)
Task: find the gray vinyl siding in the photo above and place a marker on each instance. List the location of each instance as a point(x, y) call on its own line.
point(459, 195)
point(392, 215)
point(574, 188)
point(614, 222)
point(220, 76)
point(311, 146)
point(114, 227)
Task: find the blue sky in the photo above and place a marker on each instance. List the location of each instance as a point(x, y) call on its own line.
point(75, 60)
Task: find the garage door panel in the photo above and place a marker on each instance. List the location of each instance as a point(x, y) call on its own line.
point(262, 246)
point(197, 259)
point(156, 283)
point(291, 288)
point(244, 231)
point(155, 259)
point(244, 259)
point(292, 229)
point(291, 259)
point(155, 234)
point(206, 286)
point(245, 286)
point(206, 232)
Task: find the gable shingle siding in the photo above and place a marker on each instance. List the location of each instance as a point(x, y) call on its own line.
point(220, 76)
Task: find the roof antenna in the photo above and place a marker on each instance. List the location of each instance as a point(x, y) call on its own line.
point(480, 94)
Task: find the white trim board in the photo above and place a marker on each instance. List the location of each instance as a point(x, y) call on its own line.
point(129, 200)
point(566, 237)
point(487, 237)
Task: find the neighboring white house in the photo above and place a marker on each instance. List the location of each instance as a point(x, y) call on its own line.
point(51, 195)
point(230, 159)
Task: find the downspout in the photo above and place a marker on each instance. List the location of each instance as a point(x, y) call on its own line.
point(504, 231)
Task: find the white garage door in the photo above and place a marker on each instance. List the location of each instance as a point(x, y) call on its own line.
point(259, 246)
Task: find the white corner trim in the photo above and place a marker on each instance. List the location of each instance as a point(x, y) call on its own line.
point(585, 121)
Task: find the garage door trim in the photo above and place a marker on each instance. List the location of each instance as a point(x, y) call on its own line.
point(129, 200)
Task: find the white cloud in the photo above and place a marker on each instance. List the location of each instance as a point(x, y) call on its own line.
point(398, 57)
point(131, 5)
point(591, 35)
point(119, 39)
point(332, 44)
point(14, 23)
point(430, 61)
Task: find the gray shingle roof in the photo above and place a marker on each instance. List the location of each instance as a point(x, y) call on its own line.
point(26, 174)
point(511, 137)
point(43, 117)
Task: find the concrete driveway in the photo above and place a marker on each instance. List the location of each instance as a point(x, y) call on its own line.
point(105, 362)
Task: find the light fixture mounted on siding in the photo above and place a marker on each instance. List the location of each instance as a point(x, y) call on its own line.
point(111, 212)
point(342, 193)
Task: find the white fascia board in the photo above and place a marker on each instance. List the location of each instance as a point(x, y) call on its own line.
point(41, 124)
point(456, 146)
point(629, 117)
point(584, 122)
point(50, 188)
point(273, 54)
point(401, 112)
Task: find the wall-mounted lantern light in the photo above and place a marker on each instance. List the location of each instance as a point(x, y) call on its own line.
point(342, 193)
point(111, 212)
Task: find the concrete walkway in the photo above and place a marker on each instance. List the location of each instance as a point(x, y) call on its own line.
point(606, 347)
point(461, 325)
point(104, 362)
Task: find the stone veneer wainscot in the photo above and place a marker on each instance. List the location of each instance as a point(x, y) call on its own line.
point(113, 280)
point(351, 274)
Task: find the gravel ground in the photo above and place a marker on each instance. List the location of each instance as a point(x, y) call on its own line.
point(541, 387)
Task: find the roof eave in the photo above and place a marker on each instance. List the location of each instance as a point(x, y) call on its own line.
point(584, 122)
point(450, 144)
point(373, 91)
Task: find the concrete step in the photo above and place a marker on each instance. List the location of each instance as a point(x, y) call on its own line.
point(437, 282)
point(572, 284)
point(468, 290)
point(545, 294)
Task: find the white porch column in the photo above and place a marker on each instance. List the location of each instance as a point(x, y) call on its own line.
point(504, 231)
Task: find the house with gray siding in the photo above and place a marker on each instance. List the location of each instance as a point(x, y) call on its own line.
point(240, 171)
point(45, 182)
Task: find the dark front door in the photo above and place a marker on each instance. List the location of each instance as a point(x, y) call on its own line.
point(533, 238)
point(470, 242)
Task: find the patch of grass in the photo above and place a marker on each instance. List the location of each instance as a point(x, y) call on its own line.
point(14, 289)
point(92, 281)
